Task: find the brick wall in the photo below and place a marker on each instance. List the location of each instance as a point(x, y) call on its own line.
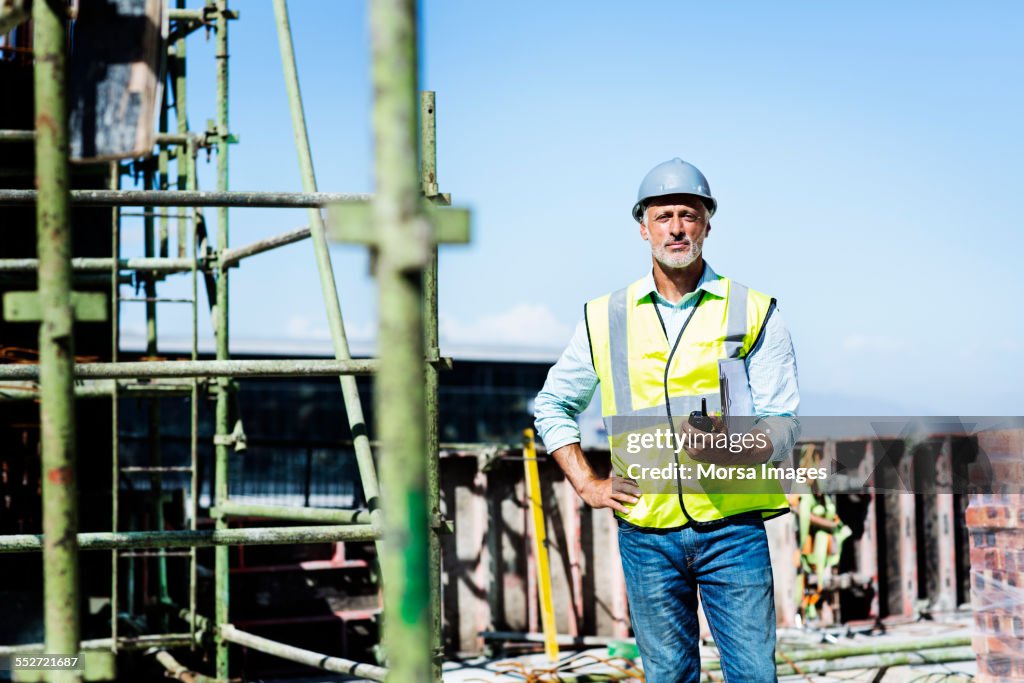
point(995, 522)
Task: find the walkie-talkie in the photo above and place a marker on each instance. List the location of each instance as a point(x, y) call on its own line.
point(699, 419)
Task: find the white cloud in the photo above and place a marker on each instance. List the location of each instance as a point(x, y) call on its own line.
point(301, 327)
point(521, 325)
point(526, 327)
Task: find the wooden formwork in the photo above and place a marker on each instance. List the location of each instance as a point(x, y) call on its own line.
point(911, 545)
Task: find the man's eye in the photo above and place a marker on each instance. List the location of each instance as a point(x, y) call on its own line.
point(689, 217)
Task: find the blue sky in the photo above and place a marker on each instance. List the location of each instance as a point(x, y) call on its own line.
point(865, 157)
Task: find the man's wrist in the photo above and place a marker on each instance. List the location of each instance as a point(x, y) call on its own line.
point(573, 463)
point(763, 448)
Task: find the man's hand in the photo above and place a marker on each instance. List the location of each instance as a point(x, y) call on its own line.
point(614, 492)
point(701, 446)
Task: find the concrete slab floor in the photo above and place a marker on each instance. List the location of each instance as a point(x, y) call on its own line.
point(587, 665)
point(952, 625)
point(595, 665)
point(956, 625)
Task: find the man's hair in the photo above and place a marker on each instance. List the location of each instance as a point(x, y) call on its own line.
point(644, 207)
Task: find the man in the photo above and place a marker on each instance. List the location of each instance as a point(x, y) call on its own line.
point(654, 348)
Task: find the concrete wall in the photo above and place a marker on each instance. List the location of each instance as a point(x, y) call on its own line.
point(489, 570)
point(913, 547)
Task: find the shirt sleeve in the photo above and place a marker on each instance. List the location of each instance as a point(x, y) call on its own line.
point(567, 392)
point(771, 368)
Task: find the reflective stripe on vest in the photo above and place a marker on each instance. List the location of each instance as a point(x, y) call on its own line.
point(631, 350)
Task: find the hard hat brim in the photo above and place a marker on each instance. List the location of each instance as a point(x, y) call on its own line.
point(638, 208)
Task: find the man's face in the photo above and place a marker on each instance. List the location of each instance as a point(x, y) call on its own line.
point(676, 226)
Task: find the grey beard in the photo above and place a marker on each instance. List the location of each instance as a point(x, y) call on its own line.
point(662, 257)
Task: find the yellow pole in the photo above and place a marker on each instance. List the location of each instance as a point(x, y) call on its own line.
point(540, 547)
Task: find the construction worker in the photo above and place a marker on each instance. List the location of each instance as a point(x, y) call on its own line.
point(654, 349)
point(820, 536)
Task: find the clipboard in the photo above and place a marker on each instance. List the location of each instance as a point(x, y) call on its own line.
point(734, 393)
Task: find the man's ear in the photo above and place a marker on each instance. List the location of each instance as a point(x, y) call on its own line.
point(707, 230)
point(644, 233)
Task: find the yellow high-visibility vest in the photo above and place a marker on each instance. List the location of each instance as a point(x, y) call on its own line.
point(651, 383)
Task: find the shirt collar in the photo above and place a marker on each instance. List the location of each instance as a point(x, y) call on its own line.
point(710, 281)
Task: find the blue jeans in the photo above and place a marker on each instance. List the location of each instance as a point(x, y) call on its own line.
point(730, 565)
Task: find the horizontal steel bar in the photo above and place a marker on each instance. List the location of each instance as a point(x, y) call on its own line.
point(204, 368)
point(298, 514)
point(156, 553)
point(178, 671)
point(155, 214)
point(127, 643)
point(239, 199)
point(319, 617)
point(13, 279)
point(101, 264)
point(298, 443)
point(107, 540)
point(158, 264)
point(172, 138)
point(883, 661)
point(151, 468)
point(7, 135)
point(176, 14)
point(15, 390)
point(296, 654)
point(230, 257)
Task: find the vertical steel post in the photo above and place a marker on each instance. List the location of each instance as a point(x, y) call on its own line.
point(182, 154)
point(155, 445)
point(56, 340)
point(163, 179)
point(428, 182)
point(349, 391)
point(149, 237)
point(153, 407)
point(193, 574)
point(188, 242)
point(220, 478)
point(404, 238)
point(115, 447)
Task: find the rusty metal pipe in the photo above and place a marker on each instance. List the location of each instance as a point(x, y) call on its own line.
point(240, 199)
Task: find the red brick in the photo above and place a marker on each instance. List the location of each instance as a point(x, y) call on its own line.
point(985, 678)
point(1001, 442)
point(994, 516)
point(1003, 625)
point(998, 557)
point(1012, 539)
point(981, 538)
point(988, 558)
point(1006, 645)
point(1010, 585)
point(1001, 665)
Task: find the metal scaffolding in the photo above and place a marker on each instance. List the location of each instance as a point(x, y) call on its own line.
point(402, 226)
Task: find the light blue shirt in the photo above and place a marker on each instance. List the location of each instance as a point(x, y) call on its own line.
point(771, 368)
